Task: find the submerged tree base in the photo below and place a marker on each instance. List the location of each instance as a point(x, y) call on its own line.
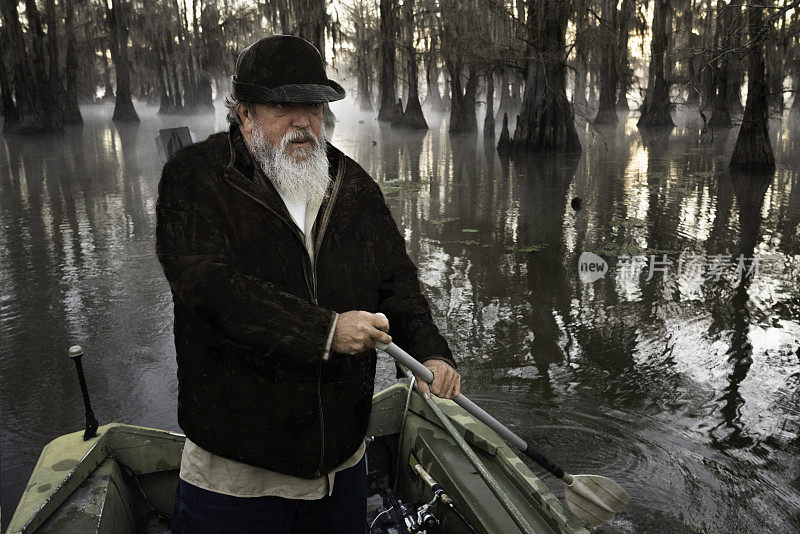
point(30, 124)
point(606, 115)
point(390, 112)
point(412, 118)
point(753, 150)
point(720, 117)
point(504, 144)
point(656, 115)
point(124, 111)
point(546, 124)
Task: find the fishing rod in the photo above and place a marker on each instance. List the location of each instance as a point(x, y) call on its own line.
point(592, 498)
point(438, 491)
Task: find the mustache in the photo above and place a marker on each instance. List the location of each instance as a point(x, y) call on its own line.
point(306, 134)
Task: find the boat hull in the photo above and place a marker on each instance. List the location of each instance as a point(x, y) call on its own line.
point(124, 479)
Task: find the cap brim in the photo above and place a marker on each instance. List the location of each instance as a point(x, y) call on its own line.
point(311, 93)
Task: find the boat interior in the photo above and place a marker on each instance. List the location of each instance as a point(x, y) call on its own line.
point(123, 480)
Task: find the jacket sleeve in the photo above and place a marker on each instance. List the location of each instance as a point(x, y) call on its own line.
point(195, 251)
point(401, 300)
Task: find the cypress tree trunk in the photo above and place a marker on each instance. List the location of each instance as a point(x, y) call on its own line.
point(581, 56)
point(504, 144)
point(182, 63)
point(546, 121)
point(606, 111)
point(753, 150)
point(8, 109)
point(710, 42)
point(488, 121)
point(188, 90)
point(505, 94)
point(623, 70)
point(37, 48)
point(462, 105)
point(364, 93)
point(172, 75)
point(685, 28)
point(109, 91)
point(363, 72)
point(72, 112)
point(413, 117)
point(736, 71)
point(386, 81)
point(50, 113)
point(202, 79)
point(123, 109)
point(55, 87)
point(795, 113)
point(24, 115)
point(33, 111)
point(165, 104)
point(720, 116)
point(433, 99)
point(446, 93)
point(774, 54)
point(656, 106)
point(579, 87)
point(516, 91)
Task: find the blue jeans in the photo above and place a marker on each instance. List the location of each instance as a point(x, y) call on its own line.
point(199, 511)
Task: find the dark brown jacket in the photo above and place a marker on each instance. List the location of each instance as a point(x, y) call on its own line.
point(252, 311)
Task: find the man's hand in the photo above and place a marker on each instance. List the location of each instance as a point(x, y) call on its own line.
point(357, 331)
point(446, 380)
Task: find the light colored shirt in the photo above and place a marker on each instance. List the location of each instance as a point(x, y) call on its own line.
point(222, 475)
point(298, 211)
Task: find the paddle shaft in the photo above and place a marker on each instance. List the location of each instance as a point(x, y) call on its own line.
point(425, 374)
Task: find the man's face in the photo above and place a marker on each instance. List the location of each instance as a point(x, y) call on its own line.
point(278, 120)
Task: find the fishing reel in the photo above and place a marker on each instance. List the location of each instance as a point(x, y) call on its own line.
point(399, 517)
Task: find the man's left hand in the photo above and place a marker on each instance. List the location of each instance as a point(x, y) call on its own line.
point(446, 380)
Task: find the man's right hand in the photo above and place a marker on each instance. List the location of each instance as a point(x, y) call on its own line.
point(357, 331)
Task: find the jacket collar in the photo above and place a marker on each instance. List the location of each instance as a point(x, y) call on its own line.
point(244, 174)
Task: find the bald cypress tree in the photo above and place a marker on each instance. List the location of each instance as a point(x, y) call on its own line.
point(546, 121)
point(656, 105)
point(606, 111)
point(34, 109)
point(753, 150)
point(412, 117)
point(387, 109)
point(123, 107)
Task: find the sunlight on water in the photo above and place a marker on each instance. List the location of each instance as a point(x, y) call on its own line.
point(684, 387)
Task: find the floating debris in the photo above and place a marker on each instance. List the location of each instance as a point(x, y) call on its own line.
point(397, 186)
point(527, 248)
point(631, 222)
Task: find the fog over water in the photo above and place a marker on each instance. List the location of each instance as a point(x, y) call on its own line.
point(684, 387)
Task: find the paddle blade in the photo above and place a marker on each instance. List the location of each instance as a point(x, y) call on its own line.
point(595, 499)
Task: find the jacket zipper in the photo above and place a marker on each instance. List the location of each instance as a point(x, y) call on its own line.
point(313, 288)
point(324, 223)
point(296, 232)
point(317, 246)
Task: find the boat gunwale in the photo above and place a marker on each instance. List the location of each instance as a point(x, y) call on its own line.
point(107, 444)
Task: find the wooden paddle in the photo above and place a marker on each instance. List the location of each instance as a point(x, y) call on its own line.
point(592, 498)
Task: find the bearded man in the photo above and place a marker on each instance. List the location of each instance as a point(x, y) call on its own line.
point(286, 267)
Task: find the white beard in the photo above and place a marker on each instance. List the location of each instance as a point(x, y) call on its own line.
point(300, 181)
